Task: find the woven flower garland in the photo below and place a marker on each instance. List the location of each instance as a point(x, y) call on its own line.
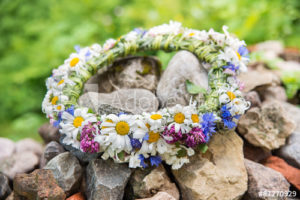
point(170, 134)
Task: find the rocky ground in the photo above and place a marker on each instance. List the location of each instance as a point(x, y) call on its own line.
point(262, 154)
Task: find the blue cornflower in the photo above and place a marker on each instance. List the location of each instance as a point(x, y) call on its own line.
point(227, 117)
point(77, 48)
point(135, 143)
point(155, 160)
point(142, 159)
point(243, 51)
point(56, 123)
point(146, 137)
point(71, 110)
point(208, 125)
point(121, 113)
point(140, 31)
point(231, 67)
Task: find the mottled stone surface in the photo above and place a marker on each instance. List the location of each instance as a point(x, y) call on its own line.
point(130, 72)
point(160, 196)
point(260, 179)
point(40, 184)
point(254, 98)
point(19, 163)
point(291, 174)
point(7, 148)
point(290, 152)
point(256, 154)
point(106, 179)
point(29, 145)
point(272, 92)
point(67, 172)
point(171, 89)
point(293, 112)
point(218, 174)
point(4, 186)
point(134, 101)
point(49, 133)
point(51, 150)
point(147, 182)
point(266, 127)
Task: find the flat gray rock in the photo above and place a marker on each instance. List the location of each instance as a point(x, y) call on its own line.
point(260, 179)
point(4, 186)
point(171, 89)
point(106, 179)
point(67, 172)
point(134, 101)
point(291, 151)
point(7, 148)
point(51, 150)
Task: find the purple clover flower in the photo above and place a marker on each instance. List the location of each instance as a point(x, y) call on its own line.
point(87, 143)
point(176, 136)
point(194, 137)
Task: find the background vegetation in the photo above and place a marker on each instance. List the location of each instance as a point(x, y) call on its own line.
point(36, 36)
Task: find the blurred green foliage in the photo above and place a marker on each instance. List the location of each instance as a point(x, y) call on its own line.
point(36, 36)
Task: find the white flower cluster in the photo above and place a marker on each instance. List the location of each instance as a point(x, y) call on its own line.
point(169, 134)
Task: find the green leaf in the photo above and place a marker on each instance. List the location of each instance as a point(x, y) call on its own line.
point(181, 153)
point(121, 155)
point(194, 89)
point(203, 147)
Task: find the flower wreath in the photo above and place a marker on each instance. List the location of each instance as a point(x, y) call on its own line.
point(170, 134)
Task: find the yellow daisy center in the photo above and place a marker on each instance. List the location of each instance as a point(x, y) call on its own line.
point(61, 82)
point(74, 61)
point(58, 107)
point(153, 136)
point(191, 34)
point(122, 128)
point(238, 55)
point(54, 100)
point(231, 95)
point(156, 116)
point(78, 121)
point(179, 118)
point(195, 118)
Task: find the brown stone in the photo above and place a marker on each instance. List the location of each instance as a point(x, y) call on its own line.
point(40, 184)
point(160, 196)
point(254, 153)
point(254, 99)
point(219, 174)
point(266, 127)
point(77, 196)
point(49, 133)
point(146, 183)
point(292, 174)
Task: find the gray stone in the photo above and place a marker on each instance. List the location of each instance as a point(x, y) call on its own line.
point(29, 145)
point(67, 172)
point(291, 151)
point(52, 149)
point(81, 156)
point(266, 127)
point(130, 72)
point(4, 186)
point(253, 97)
point(160, 196)
point(272, 93)
point(219, 174)
point(171, 89)
point(134, 101)
point(293, 113)
point(260, 179)
point(49, 133)
point(7, 148)
point(106, 179)
point(19, 163)
point(258, 77)
point(147, 182)
point(271, 49)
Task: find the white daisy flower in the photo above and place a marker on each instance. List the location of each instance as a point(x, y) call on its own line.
point(238, 106)
point(77, 61)
point(62, 82)
point(110, 43)
point(156, 120)
point(180, 118)
point(118, 130)
point(134, 160)
point(228, 94)
point(72, 123)
point(131, 36)
point(53, 102)
point(172, 28)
